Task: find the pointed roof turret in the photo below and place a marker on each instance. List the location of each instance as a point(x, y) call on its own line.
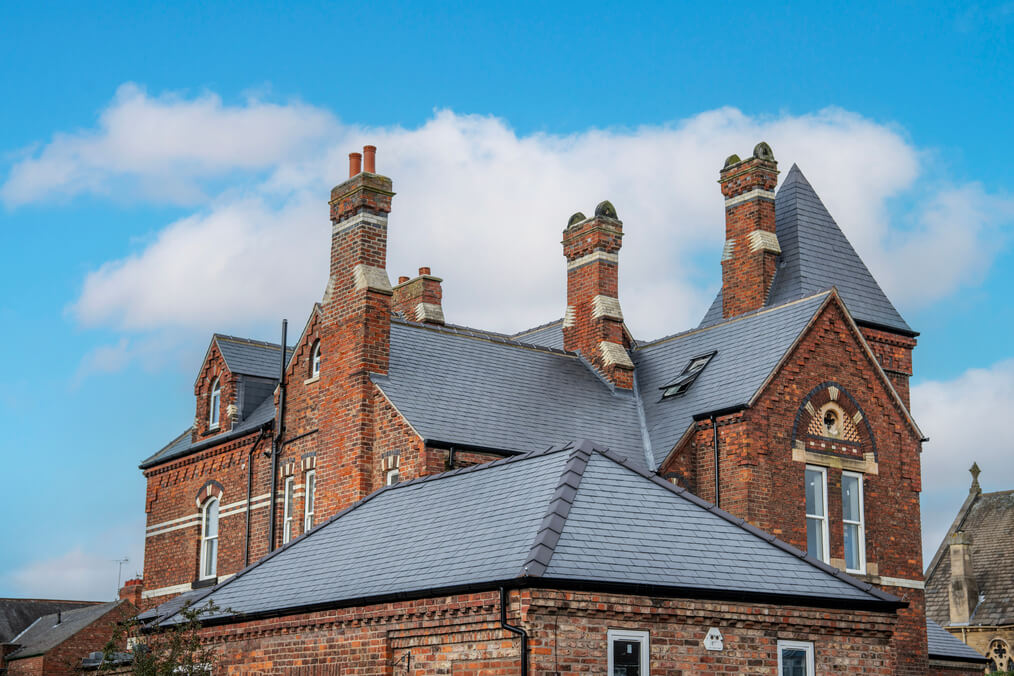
point(815, 256)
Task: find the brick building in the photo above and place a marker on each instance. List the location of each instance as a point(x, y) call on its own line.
point(55, 644)
point(787, 408)
point(970, 580)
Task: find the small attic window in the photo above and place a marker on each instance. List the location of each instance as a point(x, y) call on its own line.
point(315, 360)
point(687, 377)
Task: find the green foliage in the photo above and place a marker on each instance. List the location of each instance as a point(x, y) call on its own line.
point(168, 651)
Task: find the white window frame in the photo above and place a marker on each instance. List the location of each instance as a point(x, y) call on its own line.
point(798, 645)
point(394, 473)
point(205, 539)
point(309, 499)
point(315, 360)
point(287, 499)
point(613, 635)
point(861, 523)
point(826, 544)
point(215, 404)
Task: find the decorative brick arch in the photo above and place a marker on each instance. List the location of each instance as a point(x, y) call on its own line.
point(855, 436)
point(210, 489)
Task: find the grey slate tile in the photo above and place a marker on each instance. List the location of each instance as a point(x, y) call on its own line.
point(946, 646)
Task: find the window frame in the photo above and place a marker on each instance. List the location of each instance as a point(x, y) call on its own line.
point(315, 360)
point(806, 646)
point(309, 498)
point(215, 404)
point(643, 637)
point(396, 473)
point(681, 383)
point(288, 497)
point(861, 523)
point(826, 558)
point(203, 573)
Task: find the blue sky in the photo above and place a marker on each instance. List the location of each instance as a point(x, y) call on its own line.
point(164, 174)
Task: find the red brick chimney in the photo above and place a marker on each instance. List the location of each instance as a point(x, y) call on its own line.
point(419, 299)
point(593, 324)
point(131, 591)
point(355, 333)
point(751, 247)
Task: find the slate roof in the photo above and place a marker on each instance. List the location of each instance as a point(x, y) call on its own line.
point(17, 614)
point(989, 519)
point(476, 389)
point(572, 514)
point(250, 357)
point(183, 444)
point(46, 633)
point(816, 256)
point(944, 645)
point(747, 349)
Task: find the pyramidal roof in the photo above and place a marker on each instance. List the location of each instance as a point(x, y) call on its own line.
point(575, 513)
point(816, 255)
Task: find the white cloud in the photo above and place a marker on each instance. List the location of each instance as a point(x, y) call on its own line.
point(161, 147)
point(481, 205)
point(82, 573)
point(966, 420)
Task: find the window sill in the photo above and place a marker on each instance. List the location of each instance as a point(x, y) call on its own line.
point(312, 380)
point(205, 582)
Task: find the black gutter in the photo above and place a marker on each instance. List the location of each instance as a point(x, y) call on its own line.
point(518, 631)
point(884, 327)
point(454, 445)
point(249, 491)
point(276, 446)
point(728, 410)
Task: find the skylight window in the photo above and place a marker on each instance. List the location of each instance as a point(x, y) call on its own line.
point(687, 377)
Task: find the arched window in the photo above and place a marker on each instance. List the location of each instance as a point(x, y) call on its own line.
point(315, 360)
point(999, 655)
point(209, 539)
point(214, 403)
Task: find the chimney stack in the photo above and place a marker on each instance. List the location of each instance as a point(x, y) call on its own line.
point(131, 591)
point(419, 299)
point(593, 324)
point(751, 246)
point(964, 590)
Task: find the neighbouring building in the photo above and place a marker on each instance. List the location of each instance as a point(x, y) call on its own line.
point(784, 415)
point(55, 644)
point(970, 581)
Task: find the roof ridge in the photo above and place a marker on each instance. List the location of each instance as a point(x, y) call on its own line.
point(536, 328)
point(249, 341)
point(479, 334)
point(548, 535)
point(731, 320)
point(747, 526)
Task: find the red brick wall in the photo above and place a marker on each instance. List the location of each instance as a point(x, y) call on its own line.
point(172, 549)
point(461, 635)
point(894, 352)
point(213, 367)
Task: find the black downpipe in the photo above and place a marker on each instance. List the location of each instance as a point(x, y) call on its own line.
point(249, 492)
point(714, 427)
point(514, 630)
point(276, 446)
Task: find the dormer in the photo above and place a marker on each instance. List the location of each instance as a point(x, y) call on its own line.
point(237, 377)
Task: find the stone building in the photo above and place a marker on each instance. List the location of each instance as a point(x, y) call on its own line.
point(970, 581)
point(787, 408)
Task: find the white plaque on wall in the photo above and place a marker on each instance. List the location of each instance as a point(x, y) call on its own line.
point(713, 640)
